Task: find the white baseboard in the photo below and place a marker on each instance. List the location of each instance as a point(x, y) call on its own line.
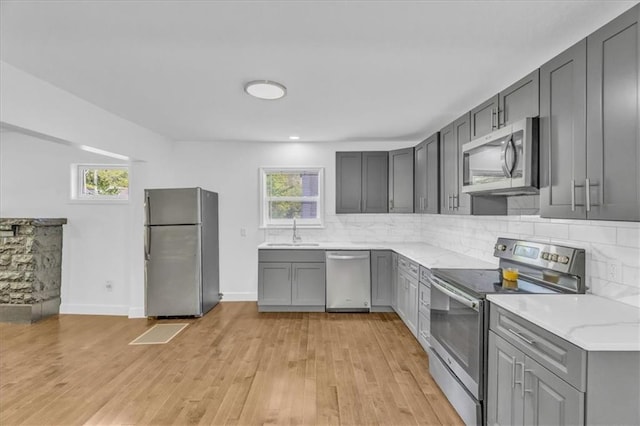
point(249, 296)
point(137, 312)
point(77, 309)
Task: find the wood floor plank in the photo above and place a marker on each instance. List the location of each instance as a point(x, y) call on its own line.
point(233, 366)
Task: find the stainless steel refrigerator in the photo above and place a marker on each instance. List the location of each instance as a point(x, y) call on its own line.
point(181, 252)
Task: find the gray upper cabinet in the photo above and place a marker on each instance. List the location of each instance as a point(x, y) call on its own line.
point(374, 182)
point(361, 182)
point(562, 133)
point(589, 126)
point(381, 278)
point(484, 117)
point(518, 101)
point(348, 182)
point(427, 175)
point(452, 137)
point(401, 181)
point(612, 186)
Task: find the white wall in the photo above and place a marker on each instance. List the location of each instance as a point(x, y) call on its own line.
point(231, 169)
point(38, 107)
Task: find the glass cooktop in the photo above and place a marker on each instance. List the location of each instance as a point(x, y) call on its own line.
point(480, 282)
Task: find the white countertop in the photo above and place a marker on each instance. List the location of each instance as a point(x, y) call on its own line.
point(591, 322)
point(425, 254)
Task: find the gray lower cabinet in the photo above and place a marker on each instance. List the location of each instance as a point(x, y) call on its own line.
point(394, 281)
point(291, 280)
point(361, 182)
point(381, 280)
point(518, 101)
point(401, 181)
point(424, 308)
point(427, 175)
point(521, 391)
point(589, 126)
point(537, 378)
point(407, 293)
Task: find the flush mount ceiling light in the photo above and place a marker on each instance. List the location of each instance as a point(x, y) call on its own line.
point(265, 89)
point(294, 138)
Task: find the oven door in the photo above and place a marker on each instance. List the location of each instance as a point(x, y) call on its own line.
point(457, 333)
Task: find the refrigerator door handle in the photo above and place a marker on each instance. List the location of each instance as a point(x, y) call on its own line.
point(147, 209)
point(147, 243)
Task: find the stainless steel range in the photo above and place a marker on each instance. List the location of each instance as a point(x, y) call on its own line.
point(459, 318)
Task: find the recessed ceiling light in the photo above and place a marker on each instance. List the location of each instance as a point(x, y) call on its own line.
point(294, 138)
point(265, 89)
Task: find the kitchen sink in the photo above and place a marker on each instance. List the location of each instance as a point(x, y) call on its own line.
point(293, 244)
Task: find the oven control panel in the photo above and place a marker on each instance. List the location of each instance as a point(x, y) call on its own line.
point(568, 260)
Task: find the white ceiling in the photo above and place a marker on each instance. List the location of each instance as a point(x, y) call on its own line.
point(354, 70)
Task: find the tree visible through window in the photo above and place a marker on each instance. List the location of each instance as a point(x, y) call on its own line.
point(292, 193)
point(102, 182)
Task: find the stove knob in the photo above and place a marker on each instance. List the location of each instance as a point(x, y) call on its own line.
point(545, 255)
point(500, 247)
point(563, 259)
point(554, 257)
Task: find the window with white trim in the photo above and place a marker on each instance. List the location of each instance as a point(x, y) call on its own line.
point(288, 193)
point(100, 182)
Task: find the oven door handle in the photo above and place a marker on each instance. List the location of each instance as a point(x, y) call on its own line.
point(469, 303)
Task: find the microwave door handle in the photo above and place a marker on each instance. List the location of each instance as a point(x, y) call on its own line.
point(503, 158)
point(514, 156)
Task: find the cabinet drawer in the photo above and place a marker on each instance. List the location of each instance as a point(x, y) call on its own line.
point(566, 360)
point(410, 267)
point(425, 273)
point(424, 334)
point(267, 255)
point(424, 299)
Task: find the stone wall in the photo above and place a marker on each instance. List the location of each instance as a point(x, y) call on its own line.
point(30, 268)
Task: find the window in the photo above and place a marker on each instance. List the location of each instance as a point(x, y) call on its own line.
point(99, 182)
point(288, 193)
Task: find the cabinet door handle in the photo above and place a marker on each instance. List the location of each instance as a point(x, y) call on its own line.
point(494, 113)
point(504, 117)
point(521, 337)
point(524, 372)
point(573, 195)
point(514, 363)
point(390, 204)
point(449, 202)
point(587, 194)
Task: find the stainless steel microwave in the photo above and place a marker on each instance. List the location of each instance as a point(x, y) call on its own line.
point(504, 162)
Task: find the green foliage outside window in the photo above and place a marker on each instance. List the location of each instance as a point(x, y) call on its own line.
point(105, 181)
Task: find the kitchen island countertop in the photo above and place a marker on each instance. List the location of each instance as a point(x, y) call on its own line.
point(591, 322)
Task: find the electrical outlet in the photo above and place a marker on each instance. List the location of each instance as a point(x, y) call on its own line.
point(243, 232)
point(613, 271)
point(108, 285)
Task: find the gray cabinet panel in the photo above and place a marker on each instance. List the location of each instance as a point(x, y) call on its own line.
point(420, 176)
point(484, 118)
point(613, 131)
point(448, 169)
point(550, 400)
point(380, 278)
point(274, 283)
point(461, 202)
point(401, 181)
point(308, 284)
point(427, 175)
point(562, 134)
point(520, 100)
point(374, 182)
point(505, 403)
point(412, 305)
point(348, 182)
point(394, 281)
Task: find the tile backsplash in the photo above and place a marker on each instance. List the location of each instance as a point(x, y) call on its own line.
point(612, 248)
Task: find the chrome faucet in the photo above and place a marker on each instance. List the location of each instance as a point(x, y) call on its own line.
point(296, 237)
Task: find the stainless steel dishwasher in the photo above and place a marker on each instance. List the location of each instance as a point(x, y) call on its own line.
point(348, 281)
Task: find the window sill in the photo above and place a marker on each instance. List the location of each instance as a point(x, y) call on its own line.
point(291, 226)
point(92, 202)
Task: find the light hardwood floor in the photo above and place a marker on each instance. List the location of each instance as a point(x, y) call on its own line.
point(233, 366)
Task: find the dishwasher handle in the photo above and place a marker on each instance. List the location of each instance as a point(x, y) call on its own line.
point(345, 257)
